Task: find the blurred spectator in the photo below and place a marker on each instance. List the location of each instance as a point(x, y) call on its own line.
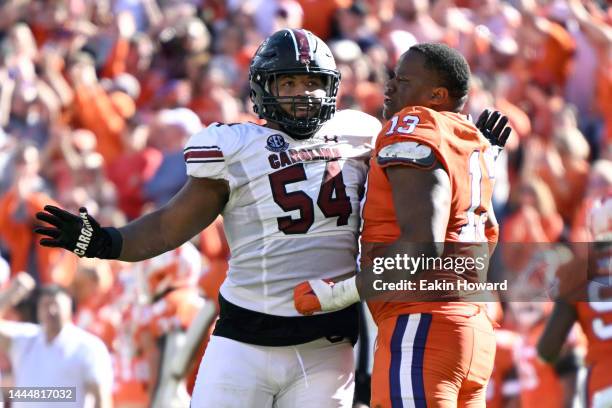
point(549, 47)
point(564, 167)
point(17, 208)
point(215, 249)
point(131, 170)
point(599, 185)
point(533, 219)
point(414, 17)
point(170, 282)
point(351, 24)
point(7, 145)
point(289, 14)
point(169, 133)
point(212, 101)
point(318, 15)
point(55, 353)
point(91, 287)
point(105, 114)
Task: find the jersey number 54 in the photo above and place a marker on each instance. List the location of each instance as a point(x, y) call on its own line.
point(333, 200)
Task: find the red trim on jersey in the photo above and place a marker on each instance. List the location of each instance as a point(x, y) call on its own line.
point(203, 154)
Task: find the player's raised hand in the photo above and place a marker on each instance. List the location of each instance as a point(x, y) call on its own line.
point(79, 234)
point(324, 295)
point(493, 125)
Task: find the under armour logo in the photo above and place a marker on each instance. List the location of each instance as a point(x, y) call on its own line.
point(330, 139)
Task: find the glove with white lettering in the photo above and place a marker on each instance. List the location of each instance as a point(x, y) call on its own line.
point(492, 124)
point(79, 234)
point(320, 295)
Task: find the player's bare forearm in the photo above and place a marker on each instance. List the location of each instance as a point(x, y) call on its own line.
point(197, 205)
point(559, 325)
point(422, 221)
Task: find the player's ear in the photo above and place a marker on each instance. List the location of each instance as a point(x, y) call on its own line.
point(439, 95)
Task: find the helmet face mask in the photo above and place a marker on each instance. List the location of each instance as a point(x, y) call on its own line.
point(293, 52)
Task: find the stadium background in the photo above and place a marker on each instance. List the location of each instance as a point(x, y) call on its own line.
point(98, 98)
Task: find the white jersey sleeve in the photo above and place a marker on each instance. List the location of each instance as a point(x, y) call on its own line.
point(208, 153)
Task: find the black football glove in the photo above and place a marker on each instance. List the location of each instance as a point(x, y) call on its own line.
point(79, 234)
point(492, 124)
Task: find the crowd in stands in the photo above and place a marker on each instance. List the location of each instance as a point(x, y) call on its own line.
point(97, 99)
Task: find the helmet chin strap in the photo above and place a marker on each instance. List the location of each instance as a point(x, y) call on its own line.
point(299, 136)
point(290, 123)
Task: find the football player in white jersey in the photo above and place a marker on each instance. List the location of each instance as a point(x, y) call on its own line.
point(289, 193)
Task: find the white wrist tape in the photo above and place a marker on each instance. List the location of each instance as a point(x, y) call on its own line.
point(337, 296)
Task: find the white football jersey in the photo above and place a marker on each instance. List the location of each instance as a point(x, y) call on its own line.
point(293, 209)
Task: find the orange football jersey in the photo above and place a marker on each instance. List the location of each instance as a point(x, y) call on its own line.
point(536, 377)
point(500, 385)
point(595, 318)
point(468, 159)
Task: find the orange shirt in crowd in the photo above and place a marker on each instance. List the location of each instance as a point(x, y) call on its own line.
point(518, 119)
point(569, 191)
point(603, 91)
point(105, 115)
point(54, 265)
point(117, 59)
point(552, 65)
point(521, 230)
point(318, 15)
point(176, 310)
point(98, 320)
point(370, 97)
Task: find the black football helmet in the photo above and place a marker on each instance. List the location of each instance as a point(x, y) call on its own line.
point(292, 51)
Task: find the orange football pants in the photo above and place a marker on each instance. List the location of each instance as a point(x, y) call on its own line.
point(433, 360)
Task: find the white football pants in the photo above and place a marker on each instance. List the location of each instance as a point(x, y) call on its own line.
point(232, 374)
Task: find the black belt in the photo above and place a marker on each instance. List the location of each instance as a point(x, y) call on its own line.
point(262, 329)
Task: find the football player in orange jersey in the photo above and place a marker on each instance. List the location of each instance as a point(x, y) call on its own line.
point(536, 378)
point(430, 181)
point(503, 387)
point(586, 297)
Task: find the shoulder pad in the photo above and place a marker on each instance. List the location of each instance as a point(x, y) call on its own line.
point(352, 123)
point(409, 153)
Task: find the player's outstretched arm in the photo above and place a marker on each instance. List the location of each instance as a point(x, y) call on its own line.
point(193, 208)
point(558, 327)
